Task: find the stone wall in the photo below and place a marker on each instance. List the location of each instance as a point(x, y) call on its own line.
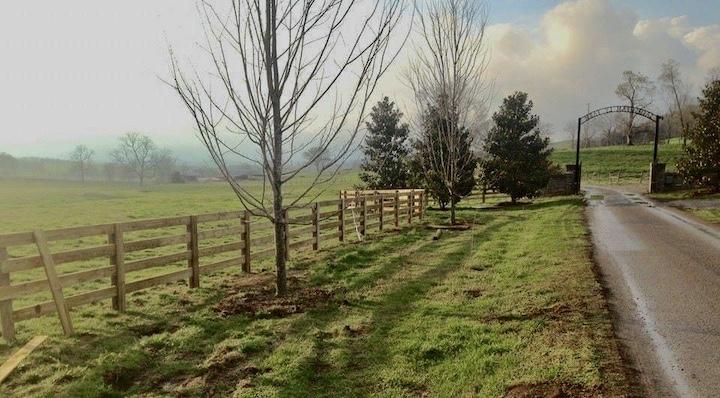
point(561, 184)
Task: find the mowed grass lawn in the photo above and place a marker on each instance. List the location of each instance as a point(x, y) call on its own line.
point(603, 165)
point(509, 307)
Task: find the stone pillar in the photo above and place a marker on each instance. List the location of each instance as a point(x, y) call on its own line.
point(577, 174)
point(657, 177)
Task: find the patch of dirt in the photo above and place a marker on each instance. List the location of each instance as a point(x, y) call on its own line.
point(261, 301)
point(355, 331)
point(87, 338)
point(473, 293)
point(149, 329)
point(223, 370)
point(550, 390)
point(553, 312)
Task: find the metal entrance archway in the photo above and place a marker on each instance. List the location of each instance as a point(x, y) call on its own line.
point(614, 109)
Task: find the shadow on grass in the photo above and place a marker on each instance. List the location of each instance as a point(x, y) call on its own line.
point(539, 205)
point(149, 355)
point(148, 366)
point(317, 376)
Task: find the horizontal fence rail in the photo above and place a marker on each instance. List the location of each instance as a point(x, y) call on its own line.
point(137, 255)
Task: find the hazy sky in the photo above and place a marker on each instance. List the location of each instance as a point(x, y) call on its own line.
point(86, 71)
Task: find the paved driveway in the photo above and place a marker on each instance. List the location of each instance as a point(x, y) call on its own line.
point(663, 272)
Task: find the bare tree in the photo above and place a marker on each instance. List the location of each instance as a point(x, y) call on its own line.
point(274, 90)
point(546, 130)
point(82, 156)
point(318, 156)
point(135, 152)
point(607, 125)
point(448, 76)
point(677, 93)
point(588, 136)
point(637, 90)
point(570, 130)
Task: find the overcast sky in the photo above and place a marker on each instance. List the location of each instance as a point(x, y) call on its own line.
point(86, 71)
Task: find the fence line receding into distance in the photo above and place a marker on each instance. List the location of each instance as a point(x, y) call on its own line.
point(127, 255)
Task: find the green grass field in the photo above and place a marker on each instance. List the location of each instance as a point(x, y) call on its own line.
point(511, 303)
point(28, 204)
point(603, 165)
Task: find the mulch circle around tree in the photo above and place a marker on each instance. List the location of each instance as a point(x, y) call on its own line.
point(261, 301)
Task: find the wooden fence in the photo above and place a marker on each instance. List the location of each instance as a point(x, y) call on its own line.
point(126, 253)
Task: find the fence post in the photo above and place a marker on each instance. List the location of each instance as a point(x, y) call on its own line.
point(6, 316)
point(411, 205)
point(194, 247)
point(341, 220)
point(363, 216)
point(422, 201)
point(118, 260)
point(426, 201)
point(316, 226)
point(286, 226)
point(245, 236)
point(397, 208)
point(380, 205)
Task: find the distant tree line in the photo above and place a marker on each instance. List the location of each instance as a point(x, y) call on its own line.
point(135, 159)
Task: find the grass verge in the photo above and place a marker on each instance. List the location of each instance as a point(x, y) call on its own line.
point(681, 199)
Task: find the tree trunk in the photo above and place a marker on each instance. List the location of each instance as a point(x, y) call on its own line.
point(453, 219)
point(280, 248)
point(628, 134)
point(272, 75)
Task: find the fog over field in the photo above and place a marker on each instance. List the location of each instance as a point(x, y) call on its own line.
point(88, 73)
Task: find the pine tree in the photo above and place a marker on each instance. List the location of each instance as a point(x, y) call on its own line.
point(700, 163)
point(443, 158)
point(385, 149)
point(517, 161)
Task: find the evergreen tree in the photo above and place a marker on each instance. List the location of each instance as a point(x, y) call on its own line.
point(443, 157)
point(385, 149)
point(700, 163)
point(517, 161)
